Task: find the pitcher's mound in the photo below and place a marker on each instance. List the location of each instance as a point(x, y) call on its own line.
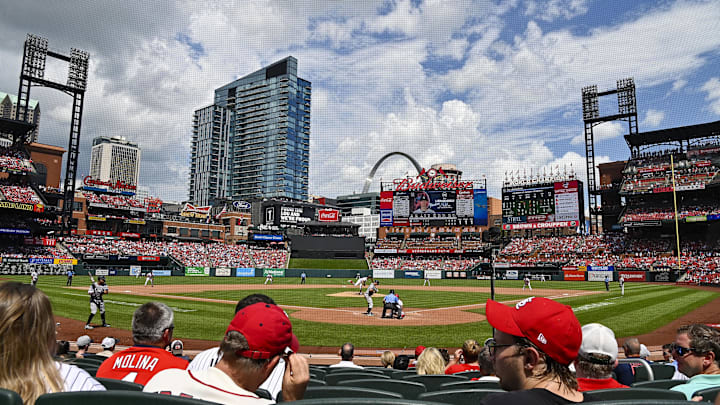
point(346, 294)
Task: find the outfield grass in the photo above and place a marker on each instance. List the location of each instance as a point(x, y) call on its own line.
point(350, 264)
point(644, 308)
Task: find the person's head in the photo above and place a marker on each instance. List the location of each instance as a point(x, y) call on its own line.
point(534, 341)
point(485, 362)
point(176, 347)
point(391, 292)
point(152, 324)
point(101, 280)
point(445, 355)
point(63, 347)
point(423, 201)
point(27, 333)
point(402, 361)
point(256, 338)
point(598, 352)
point(697, 349)
point(83, 342)
point(430, 362)
point(387, 358)
point(471, 350)
point(347, 351)
point(253, 299)
point(109, 343)
point(419, 350)
point(667, 352)
point(631, 347)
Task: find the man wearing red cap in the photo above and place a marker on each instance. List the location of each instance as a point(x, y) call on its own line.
point(534, 343)
point(258, 336)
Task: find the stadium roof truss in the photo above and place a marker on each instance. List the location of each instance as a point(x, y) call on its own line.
point(680, 135)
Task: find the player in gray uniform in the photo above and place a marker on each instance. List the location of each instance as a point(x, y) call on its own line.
point(34, 278)
point(372, 289)
point(96, 291)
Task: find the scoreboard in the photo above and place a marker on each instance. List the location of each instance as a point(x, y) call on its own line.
point(434, 207)
point(547, 205)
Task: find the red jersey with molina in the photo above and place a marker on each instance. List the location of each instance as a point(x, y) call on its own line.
point(591, 384)
point(139, 364)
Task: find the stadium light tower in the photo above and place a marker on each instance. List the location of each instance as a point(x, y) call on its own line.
point(627, 111)
point(33, 74)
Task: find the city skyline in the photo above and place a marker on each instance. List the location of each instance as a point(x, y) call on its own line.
point(487, 86)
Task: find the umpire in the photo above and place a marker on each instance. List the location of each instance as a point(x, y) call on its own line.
point(390, 302)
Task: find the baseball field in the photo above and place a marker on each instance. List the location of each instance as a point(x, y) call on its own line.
point(328, 312)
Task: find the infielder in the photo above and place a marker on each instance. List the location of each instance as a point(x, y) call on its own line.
point(33, 278)
point(96, 292)
point(151, 278)
point(526, 283)
point(622, 285)
point(268, 279)
point(360, 283)
point(427, 280)
point(372, 289)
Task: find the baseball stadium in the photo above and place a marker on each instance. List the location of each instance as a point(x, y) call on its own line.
point(641, 257)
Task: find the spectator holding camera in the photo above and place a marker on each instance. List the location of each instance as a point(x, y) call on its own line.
point(465, 359)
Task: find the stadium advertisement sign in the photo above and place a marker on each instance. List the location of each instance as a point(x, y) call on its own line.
point(15, 231)
point(663, 276)
point(412, 274)
point(433, 274)
point(148, 259)
point(386, 217)
point(599, 275)
point(386, 200)
point(385, 250)
point(192, 211)
point(713, 217)
point(274, 272)
point(328, 215)
point(378, 273)
point(428, 250)
point(65, 261)
point(22, 206)
point(541, 225)
point(135, 270)
point(601, 268)
point(574, 275)
point(102, 272)
point(223, 272)
point(244, 272)
point(511, 274)
point(164, 273)
point(273, 238)
point(569, 268)
point(40, 260)
point(197, 271)
point(633, 275)
point(480, 207)
point(697, 218)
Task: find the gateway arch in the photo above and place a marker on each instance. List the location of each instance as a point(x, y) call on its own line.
point(369, 179)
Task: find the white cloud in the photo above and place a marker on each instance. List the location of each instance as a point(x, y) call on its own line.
point(550, 10)
point(679, 84)
point(601, 132)
point(653, 118)
point(712, 87)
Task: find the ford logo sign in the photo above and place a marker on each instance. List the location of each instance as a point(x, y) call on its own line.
point(241, 205)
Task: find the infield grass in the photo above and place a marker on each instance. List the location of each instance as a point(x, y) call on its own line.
point(644, 308)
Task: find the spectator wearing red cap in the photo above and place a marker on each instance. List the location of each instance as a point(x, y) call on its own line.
point(418, 352)
point(468, 354)
point(534, 343)
point(258, 336)
point(597, 358)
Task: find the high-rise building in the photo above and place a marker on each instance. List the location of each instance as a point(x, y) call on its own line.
point(115, 159)
point(8, 106)
point(254, 140)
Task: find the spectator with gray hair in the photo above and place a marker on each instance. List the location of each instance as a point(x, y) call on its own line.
point(625, 373)
point(697, 351)
point(152, 329)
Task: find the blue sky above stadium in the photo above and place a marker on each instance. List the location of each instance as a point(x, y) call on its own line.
point(491, 86)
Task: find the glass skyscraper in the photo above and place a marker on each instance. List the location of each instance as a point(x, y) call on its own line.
point(254, 141)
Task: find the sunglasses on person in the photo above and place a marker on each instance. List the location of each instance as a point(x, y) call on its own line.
point(681, 351)
point(492, 345)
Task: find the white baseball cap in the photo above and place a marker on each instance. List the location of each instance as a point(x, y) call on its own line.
point(644, 352)
point(598, 339)
point(84, 340)
point(108, 342)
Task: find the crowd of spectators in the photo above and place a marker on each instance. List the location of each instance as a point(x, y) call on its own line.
point(431, 242)
point(651, 170)
point(639, 214)
point(19, 194)
point(424, 263)
point(33, 252)
point(187, 253)
point(14, 161)
point(118, 201)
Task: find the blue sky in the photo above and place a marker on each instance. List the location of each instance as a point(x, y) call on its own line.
point(491, 86)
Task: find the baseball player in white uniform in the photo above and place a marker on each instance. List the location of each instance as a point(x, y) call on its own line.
point(151, 278)
point(33, 278)
point(96, 292)
point(427, 279)
point(268, 279)
point(360, 282)
point(372, 289)
point(526, 283)
point(622, 285)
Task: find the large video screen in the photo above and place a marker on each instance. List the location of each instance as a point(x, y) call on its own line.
point(551, 205)
point(437, 207)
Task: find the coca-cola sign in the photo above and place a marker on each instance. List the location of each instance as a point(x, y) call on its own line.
point(328, 215)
